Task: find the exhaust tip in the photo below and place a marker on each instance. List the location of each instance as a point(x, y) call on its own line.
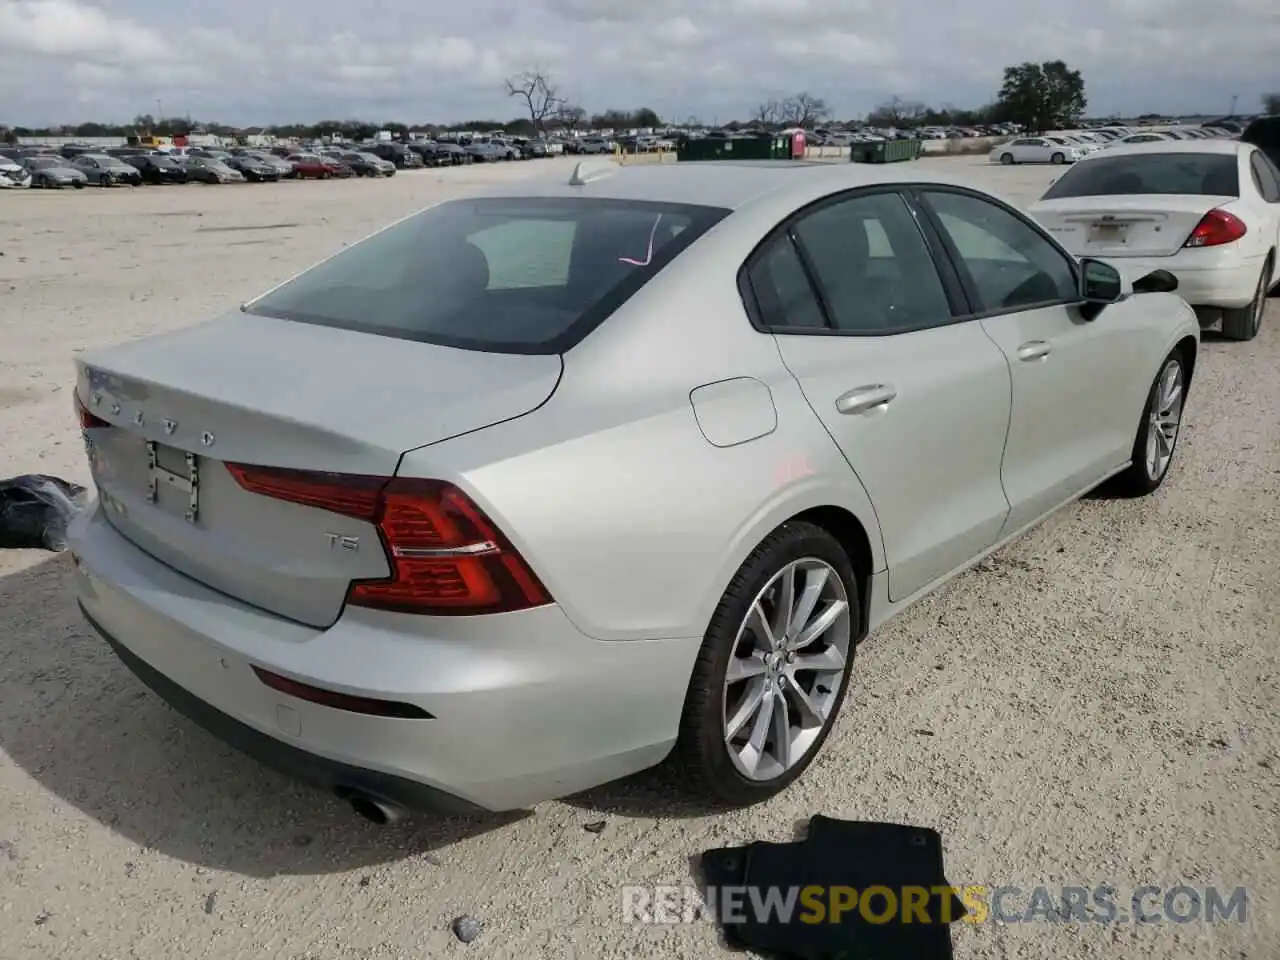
point(372, 808)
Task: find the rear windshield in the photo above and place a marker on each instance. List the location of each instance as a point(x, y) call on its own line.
point(498, 274)
point(1197, 174)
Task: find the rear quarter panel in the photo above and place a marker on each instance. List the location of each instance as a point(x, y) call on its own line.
point(634, 521)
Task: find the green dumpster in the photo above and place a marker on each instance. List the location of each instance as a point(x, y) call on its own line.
point(734, 148)
point(885, 151)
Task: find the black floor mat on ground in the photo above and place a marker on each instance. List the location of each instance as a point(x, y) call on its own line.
point(835, 854)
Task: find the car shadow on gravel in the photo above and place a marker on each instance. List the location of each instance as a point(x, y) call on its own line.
point(86, 730)
point(658, 792)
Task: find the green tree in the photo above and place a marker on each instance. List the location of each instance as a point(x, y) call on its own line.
point(1041, 96)
point(1271, 103)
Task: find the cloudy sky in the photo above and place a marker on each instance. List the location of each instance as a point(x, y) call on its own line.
point(272, 61)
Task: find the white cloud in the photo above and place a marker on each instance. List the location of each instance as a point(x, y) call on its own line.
point(64, 28)
point(250, 62)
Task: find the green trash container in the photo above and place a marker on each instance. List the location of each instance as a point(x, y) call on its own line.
point(885, 151)
point(736, 148)
point(861, 152)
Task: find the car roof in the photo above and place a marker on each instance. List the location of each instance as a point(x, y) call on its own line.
point(1226, 147)
point(728, 184)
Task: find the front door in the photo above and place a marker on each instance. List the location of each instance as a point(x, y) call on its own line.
point(917, 401)
point(1077, 384)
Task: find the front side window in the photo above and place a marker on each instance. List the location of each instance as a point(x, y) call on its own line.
point(1010, 264)
point(504, 275)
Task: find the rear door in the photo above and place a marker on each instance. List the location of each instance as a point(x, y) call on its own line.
point(1077, 384)
point(917, 400)
point(1030, 150)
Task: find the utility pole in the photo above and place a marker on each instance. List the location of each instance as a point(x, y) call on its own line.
point(1234, 98)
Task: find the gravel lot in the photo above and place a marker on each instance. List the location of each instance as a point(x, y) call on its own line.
point(1095, 704)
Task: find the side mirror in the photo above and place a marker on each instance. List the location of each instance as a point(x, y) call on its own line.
point(1100, 285)
point(1157, 281)
point(1100, 282)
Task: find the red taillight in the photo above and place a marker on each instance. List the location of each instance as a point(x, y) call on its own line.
point(447, 558)
point(88, 421)
point(1216, 228)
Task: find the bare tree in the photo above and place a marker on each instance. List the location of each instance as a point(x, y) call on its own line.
point(570, 116)
point(803, 110)
point(768, 113)
point(896, 113)
point(1271, 103)
point(537, 89)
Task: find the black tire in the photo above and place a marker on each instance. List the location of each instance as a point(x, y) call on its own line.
point(1058, 159)
point(1006, 159)
point(107, 180)
point(1244, 323)
point(1138, 480)
point(700, 755)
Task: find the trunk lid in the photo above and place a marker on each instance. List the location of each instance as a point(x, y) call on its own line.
point(1128, 226)
point(276, 393)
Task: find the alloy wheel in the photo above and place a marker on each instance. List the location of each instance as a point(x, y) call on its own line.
point(1165, 419)
point(785, 672)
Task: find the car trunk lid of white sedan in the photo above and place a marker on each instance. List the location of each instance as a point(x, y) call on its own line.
point(1125, 226)
point(169, 418)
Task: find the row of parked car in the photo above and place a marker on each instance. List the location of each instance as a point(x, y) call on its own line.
point(79, 165)
point(1068, 146)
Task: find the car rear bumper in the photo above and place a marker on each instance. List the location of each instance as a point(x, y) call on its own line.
point(279, 755)
point(523, 706)
point(1226, 283)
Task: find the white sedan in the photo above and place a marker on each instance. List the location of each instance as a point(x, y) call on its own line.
point(1208, 211)
point(1147, 137)
point(1036, 150)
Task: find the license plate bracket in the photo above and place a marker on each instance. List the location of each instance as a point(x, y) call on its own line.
point(160, 476)
point(1105, 232)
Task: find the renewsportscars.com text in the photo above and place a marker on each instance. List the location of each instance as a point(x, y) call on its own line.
point(980, 904)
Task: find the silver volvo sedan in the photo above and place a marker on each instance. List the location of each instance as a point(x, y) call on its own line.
point(533, 490)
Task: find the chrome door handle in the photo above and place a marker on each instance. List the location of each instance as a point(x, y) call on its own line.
point(1034, 350)
point(865, 399)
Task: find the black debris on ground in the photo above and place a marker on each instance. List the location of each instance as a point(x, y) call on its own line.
point(35, 510)
point(838, 861)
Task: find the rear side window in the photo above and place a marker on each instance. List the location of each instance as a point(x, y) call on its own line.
point(498, 274)
point(783, 293)
point(873, 266)
point(1196, 174)
point(1266, 177)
